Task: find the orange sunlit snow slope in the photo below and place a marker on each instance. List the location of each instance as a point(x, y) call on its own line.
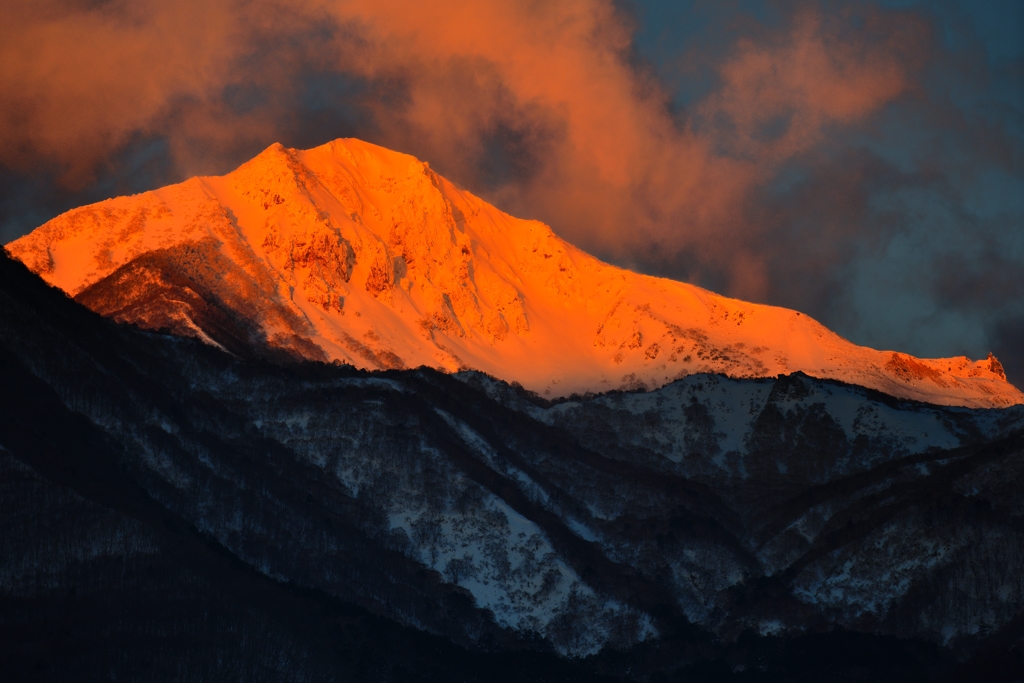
point(356, 253)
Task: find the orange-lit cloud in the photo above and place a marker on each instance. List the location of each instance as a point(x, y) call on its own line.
point(808, 78)
point(78, 81)
point(604, 160)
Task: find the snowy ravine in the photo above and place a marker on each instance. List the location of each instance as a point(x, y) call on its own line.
point(470, 536)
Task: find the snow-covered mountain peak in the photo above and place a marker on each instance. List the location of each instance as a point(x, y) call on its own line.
point(356, 253)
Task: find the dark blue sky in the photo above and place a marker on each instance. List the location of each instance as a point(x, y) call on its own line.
point(861, 162)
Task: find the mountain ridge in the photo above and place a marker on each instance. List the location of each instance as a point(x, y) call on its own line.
point(353, 253)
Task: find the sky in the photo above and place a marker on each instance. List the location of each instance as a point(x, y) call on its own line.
point(862, 162)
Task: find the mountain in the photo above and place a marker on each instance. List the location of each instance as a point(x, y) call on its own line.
point(173, 512)
point(528, 465)
point(354, 253)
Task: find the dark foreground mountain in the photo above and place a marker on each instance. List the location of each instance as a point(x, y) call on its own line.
point(171, 512)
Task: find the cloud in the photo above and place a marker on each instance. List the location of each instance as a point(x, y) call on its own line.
point(781, 94)
point(78, 81)
point(601, 150)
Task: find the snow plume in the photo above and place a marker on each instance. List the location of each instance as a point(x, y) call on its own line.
point(550, 111)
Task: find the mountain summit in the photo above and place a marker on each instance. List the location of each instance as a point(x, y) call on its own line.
point(355, 253)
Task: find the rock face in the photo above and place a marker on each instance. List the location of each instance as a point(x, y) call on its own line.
point(355, 253)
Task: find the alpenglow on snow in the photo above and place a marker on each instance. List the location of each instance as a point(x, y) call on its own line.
point(355, 253)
